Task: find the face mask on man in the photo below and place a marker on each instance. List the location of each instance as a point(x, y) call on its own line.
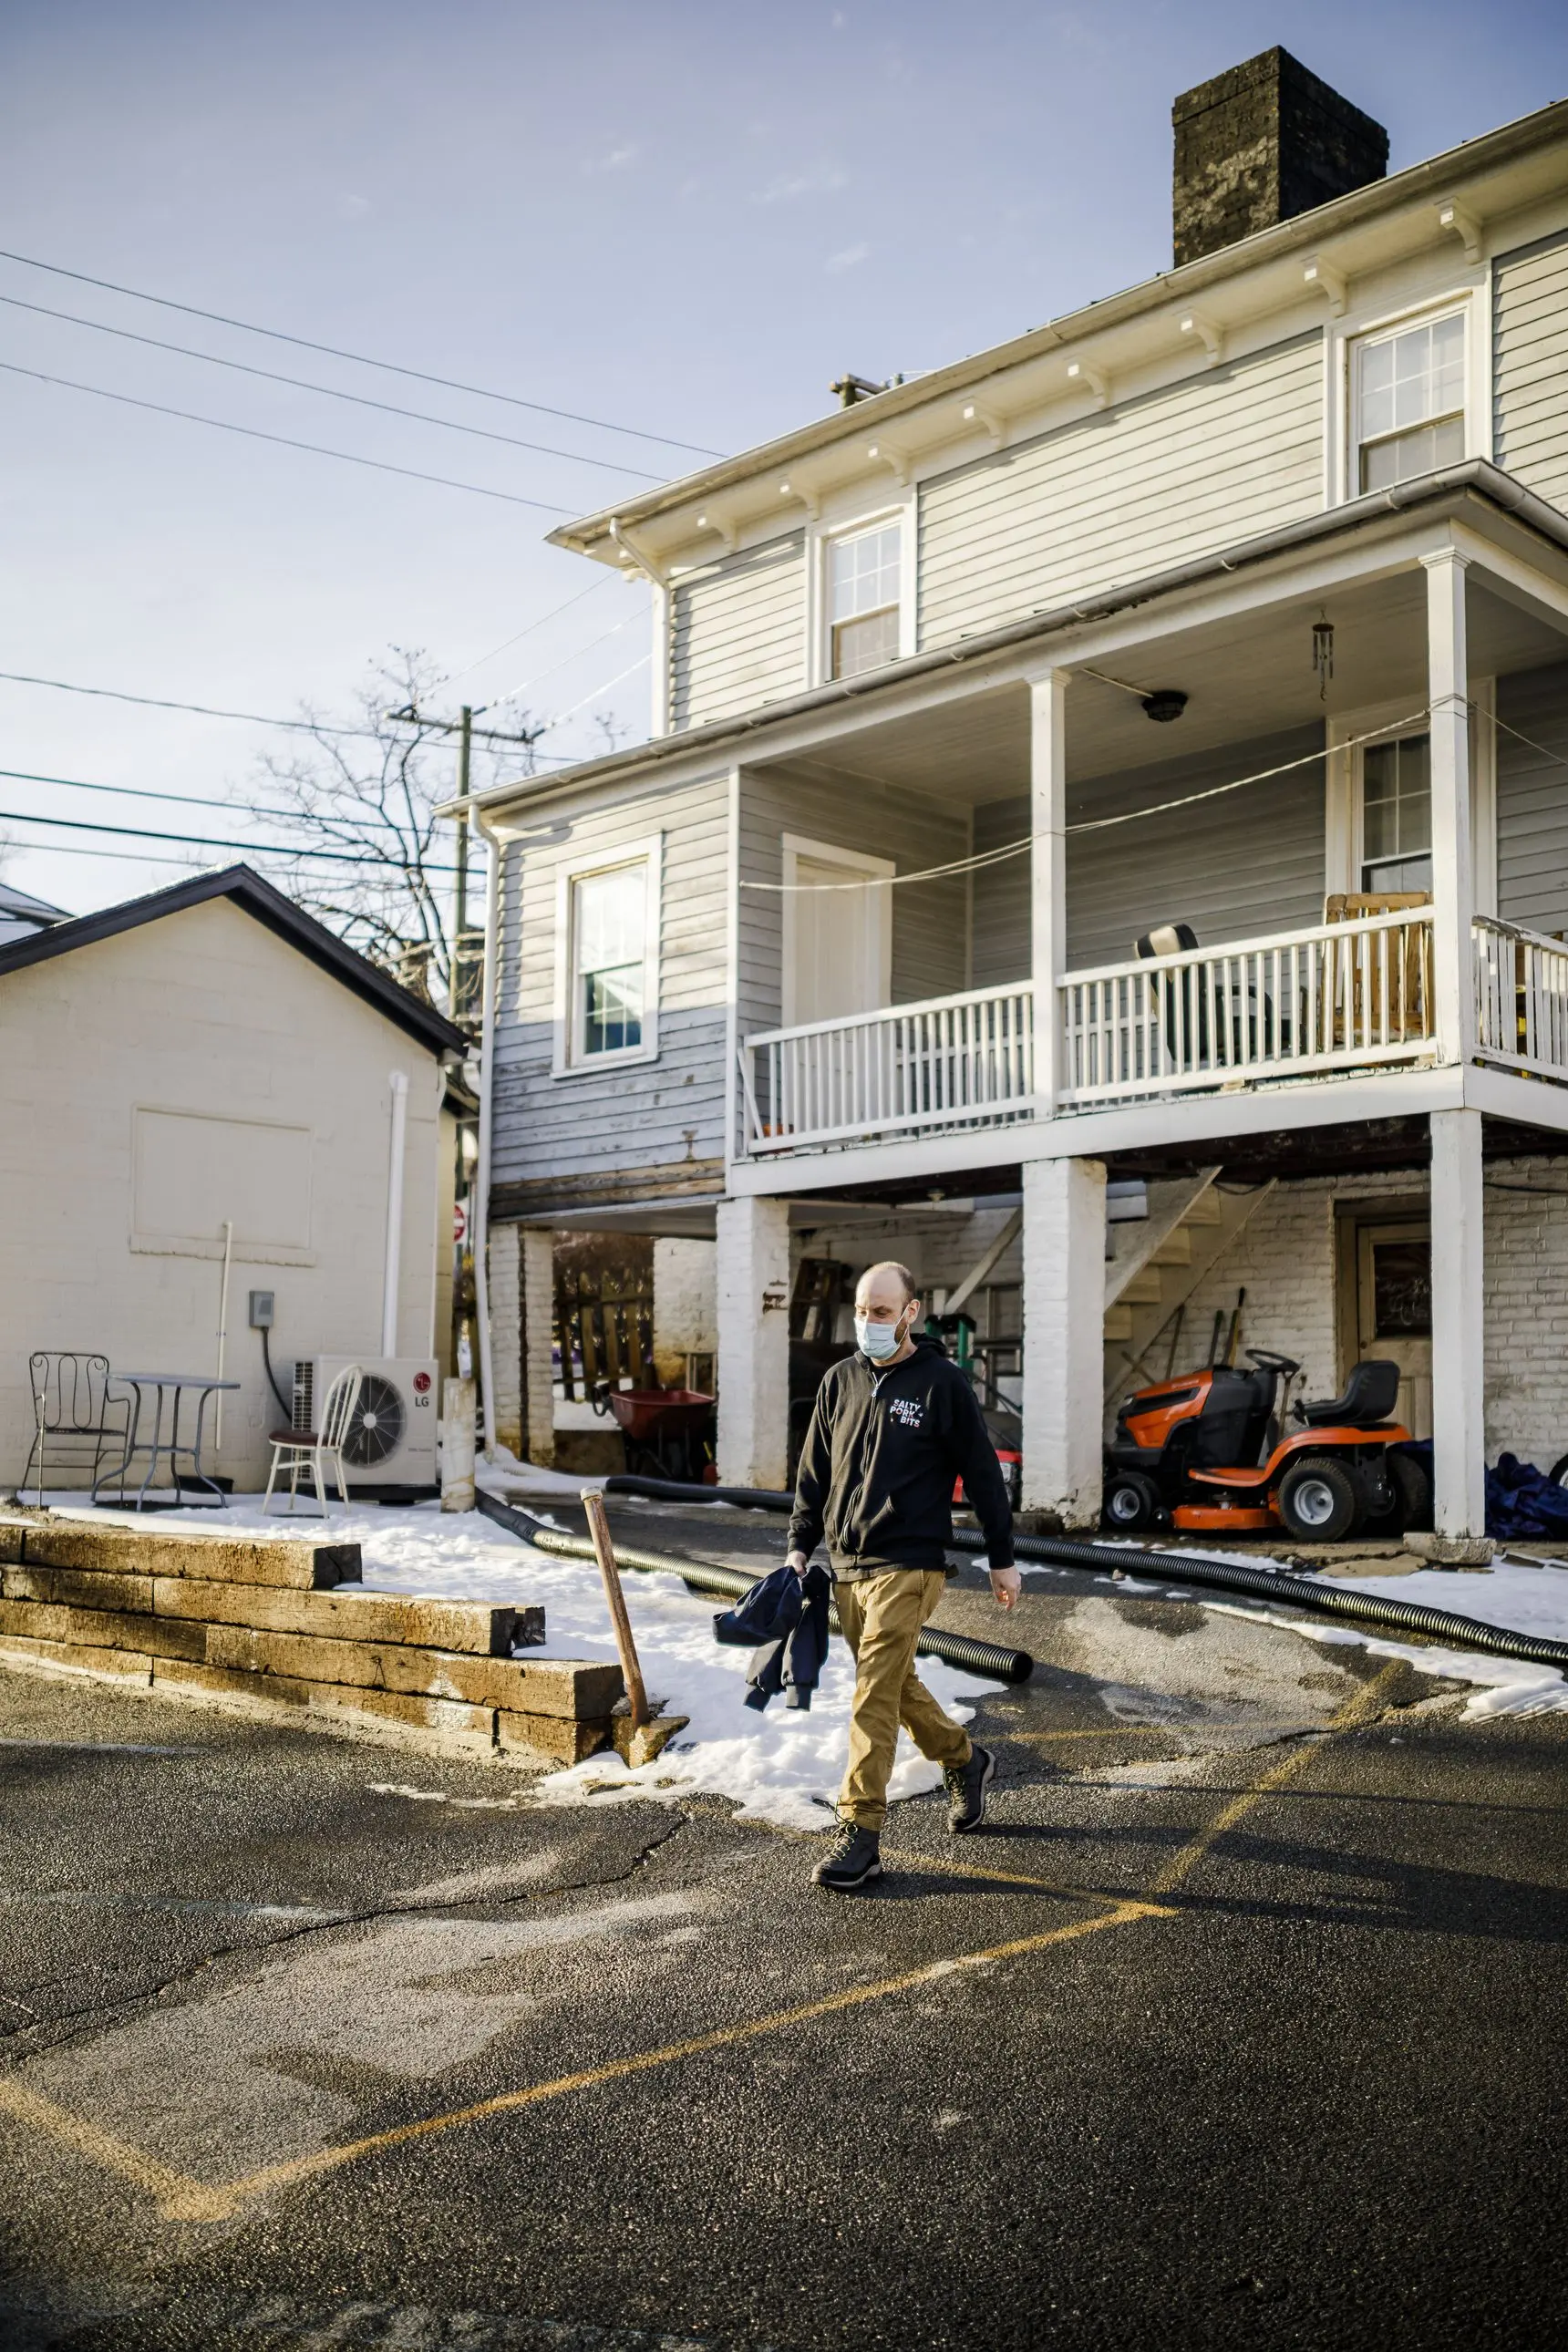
point(880, 1341)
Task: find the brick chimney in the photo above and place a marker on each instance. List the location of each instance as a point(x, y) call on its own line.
point(1261, 143)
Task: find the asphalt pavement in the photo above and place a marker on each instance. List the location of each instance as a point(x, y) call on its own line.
point(1242, 2024)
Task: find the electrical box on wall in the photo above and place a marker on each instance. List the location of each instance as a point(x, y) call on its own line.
point(261, 1310)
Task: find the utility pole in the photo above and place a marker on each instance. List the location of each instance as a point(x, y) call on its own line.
point(465, 749)
point(468, 735)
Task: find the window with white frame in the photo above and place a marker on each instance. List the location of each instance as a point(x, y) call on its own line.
point(1410, 400)
point(863, 599)
point(1396, 816)
point(609, 919)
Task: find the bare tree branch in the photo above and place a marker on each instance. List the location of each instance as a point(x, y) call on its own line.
point(377, 800)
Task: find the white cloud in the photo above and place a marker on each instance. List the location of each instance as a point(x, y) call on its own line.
point(353, 207)
point(850, 258)
point(822, 180)
point(617, 159)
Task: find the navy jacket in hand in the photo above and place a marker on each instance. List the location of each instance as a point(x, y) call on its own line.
point(787, 1623)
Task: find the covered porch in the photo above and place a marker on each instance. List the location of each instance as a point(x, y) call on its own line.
point(1343, 859)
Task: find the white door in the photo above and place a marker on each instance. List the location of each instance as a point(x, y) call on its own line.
point(837, 932)
point(1393, 1311)
point(837, 962)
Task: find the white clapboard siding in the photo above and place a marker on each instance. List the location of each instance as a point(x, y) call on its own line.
point(1236, 868)
point(1529, 367)
point(737, 634)
point(931, 919)
point(1532, 800)
point(1132, 490)
point(647, 1113)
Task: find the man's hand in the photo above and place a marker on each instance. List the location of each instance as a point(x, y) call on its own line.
point(1006, 1584)
point(797, 1561)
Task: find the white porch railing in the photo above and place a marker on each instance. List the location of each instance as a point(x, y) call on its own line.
point(1341, 996)
point(1522, 998)
point(911, 1069)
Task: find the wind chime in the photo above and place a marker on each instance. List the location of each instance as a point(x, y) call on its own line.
point(1322, 654)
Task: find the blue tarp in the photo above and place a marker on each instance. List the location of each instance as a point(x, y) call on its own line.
point(1524, 1505)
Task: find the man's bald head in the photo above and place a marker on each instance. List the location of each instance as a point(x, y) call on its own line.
point(884, 1290)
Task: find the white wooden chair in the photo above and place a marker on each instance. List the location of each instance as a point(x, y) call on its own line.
point(314, 1453)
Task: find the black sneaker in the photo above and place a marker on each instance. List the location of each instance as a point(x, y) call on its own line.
point(856, 1857)
point(967, 1787)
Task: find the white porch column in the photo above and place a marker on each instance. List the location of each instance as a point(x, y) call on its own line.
point(1453, 880)
point(504, 1420)
point(753, 1273)
point(1048, 874)
point(1458, 1337)
point(537, 1288)
point(1064, 1338)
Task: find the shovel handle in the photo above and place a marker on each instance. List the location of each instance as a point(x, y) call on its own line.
point(605, 1552)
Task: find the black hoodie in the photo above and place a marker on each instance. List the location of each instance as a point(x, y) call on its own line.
point(877, 1468)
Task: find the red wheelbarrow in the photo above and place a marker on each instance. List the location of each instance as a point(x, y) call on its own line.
point(666, 1433)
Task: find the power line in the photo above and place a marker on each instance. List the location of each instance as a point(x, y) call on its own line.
point(539, 676)
point(330, 351)
point(206, 710)
point(182, 800)
point(281, 440)
point(80, 849)
point(201, 840)
point(452, 676)
point(327, 391)
point(562, 716)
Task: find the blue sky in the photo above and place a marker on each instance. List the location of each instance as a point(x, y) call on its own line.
point(685, 218)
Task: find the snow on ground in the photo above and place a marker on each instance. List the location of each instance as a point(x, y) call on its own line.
point(782, 1766)
point(1526, 1599)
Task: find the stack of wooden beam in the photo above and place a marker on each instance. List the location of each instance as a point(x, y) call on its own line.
point(286, 1621)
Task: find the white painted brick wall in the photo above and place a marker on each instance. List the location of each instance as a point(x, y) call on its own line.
point(504, 1417)
point(1285, 1256)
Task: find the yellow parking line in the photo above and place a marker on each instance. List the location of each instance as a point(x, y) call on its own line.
point(961, 1867)
point(330, 2159)
point(1365, 1703)
point(183, 2198)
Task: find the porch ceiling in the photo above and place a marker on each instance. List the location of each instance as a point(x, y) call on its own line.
point(1357, 1147)
point(1244, 680)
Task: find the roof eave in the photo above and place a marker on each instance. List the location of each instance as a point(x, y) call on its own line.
point(1476, 477)
point(268, 906)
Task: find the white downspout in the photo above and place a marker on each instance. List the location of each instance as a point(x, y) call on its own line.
point(479, 1195)
point(399, 1084)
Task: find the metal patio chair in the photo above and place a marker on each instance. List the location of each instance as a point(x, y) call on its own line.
point(81, 1422)
point(317, 1453)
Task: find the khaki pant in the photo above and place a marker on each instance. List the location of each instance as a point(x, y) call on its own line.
point(881, 1617)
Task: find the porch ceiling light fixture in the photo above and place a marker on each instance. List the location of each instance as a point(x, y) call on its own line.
point(1166, 702)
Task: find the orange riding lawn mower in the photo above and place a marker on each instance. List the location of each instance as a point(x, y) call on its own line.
point(1216, 1452)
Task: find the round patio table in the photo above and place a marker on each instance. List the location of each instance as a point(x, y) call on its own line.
point(164, 1393)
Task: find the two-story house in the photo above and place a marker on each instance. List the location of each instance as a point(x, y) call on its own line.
point(1133, 757)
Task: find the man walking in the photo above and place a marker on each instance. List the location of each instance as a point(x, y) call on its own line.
point(894, 1425)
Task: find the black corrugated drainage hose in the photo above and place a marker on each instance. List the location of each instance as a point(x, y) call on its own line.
point(1325, 1599)
point(987, 1658)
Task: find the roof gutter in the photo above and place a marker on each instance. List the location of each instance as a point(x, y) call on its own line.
point(1475, 476)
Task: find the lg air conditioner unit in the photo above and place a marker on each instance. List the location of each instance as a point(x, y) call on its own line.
point(391, 1440)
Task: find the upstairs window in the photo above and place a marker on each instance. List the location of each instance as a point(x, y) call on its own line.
point(863, 600)
point(609, 958)
point(1396, 816)
point(1410, 402)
